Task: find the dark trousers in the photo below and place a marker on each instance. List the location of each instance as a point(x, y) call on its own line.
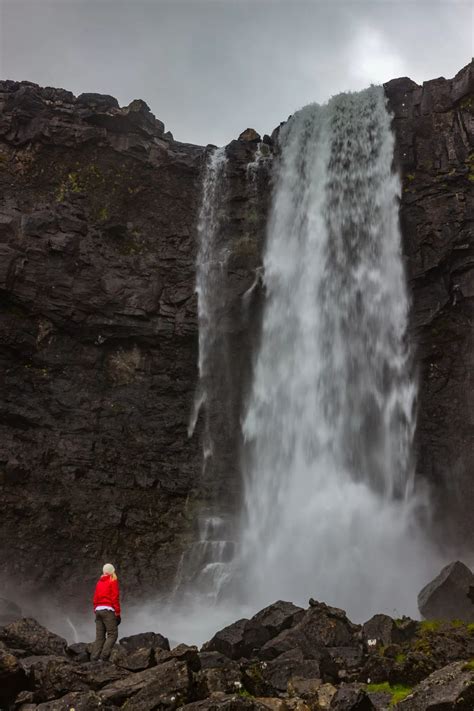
point(105, 623)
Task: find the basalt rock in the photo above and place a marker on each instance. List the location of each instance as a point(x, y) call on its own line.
point(278, 617)
point(32, 638)
point(12, 677)
point(274, 677)
point(351, 697)
point(99, 341)
point(382, 630)
point(152, 686)
point(218, 674)
point(449, 689)
point(238, 640)
point(432, 668)
point(88, 701)
point(447, 596)
point(227, 703)
point(434, 129)
point(147, 640)
point(321, 627)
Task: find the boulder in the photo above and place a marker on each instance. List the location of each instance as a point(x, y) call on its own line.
point(250, 135)
point(341, 663)
point(321, 626)
point(172, 678)
point(446, 597)
point(79, 652)
point(149, 640)
point(273, 703)
point(12, 677)
point(273, 677)
point(51, 676)
point(278, 617)
point(182, 653)
point(102, 102)
point(9, 611)
point(380, 700)
point(138, 660)
point(228, 703)
point(218, 674)
point(325, 695)
point(28, 635)
point(238, 640)
point(79, 701)
point(100, 674)
point(382, 631)
point(305, 688)
point(351, 697)
point(449, 688)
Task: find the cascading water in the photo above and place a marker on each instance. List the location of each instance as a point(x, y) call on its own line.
point(208, 269)
point(329, 500)
point(203, 567)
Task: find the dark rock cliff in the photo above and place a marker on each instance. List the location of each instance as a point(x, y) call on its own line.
point(434, 128)
point(98, 324)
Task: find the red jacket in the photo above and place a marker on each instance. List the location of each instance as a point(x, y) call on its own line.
point(107, 593)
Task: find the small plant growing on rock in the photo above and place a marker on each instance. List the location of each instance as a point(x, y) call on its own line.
point(427, 626)
point(398, 692)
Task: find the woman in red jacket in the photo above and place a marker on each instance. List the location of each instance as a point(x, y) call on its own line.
point(107, 613)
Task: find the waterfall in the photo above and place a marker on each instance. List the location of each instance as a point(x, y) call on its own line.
point(329, 497)
point(208, 274)
point(203, 569)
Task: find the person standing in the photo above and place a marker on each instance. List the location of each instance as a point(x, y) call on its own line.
point(107, 613)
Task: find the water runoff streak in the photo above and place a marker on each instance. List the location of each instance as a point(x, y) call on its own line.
point(329, 496)
point(204, 566)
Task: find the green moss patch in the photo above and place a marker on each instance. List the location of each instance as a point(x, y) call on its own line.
point(429, 626)
point(398, 692)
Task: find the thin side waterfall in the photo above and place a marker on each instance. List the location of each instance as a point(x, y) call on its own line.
point(203, 567)
point(208, 269)
point(329, 497)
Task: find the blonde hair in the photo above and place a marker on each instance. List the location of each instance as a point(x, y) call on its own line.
point(109, 569)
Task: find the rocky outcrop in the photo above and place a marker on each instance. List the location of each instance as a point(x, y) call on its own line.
point(447, 596)
point(428, 668)
point(98, 325)
point(434, 129)
point(98, 345)
point(98, 338)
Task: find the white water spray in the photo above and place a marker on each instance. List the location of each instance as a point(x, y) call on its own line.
point(208, 274)
point(203, 568)
point(329, 501)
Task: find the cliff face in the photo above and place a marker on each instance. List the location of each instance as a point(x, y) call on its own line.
point(98, 337)
point(98, 323)
point(434, 128)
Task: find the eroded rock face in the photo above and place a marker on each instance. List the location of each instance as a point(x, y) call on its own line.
point(447, 596)
point(98, 325)
point(449, 688)
point(98, 337)
point(434, 129)
point(29, 636)
point(99, 342)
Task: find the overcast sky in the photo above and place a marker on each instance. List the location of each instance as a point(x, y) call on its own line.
point(211, 68)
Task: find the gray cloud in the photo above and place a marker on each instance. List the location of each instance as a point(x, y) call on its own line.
point(209, 69)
